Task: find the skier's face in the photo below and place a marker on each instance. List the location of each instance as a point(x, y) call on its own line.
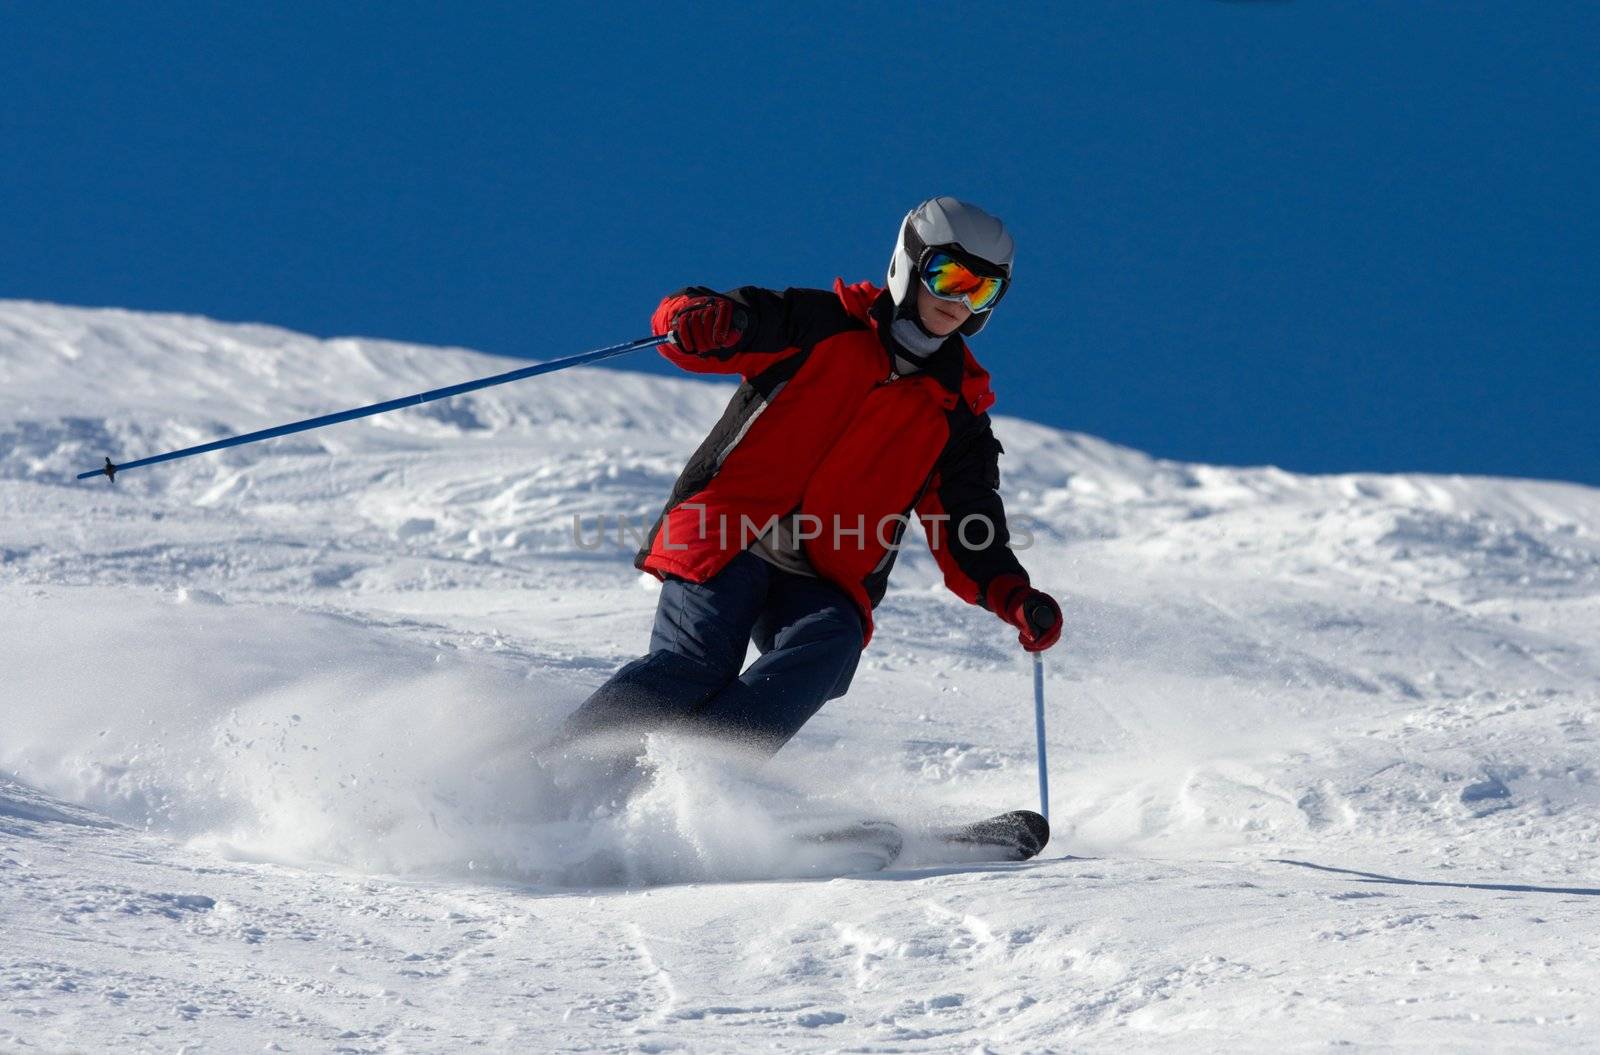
point(940, 317)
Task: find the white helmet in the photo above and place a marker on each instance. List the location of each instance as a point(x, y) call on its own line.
point(950, 224)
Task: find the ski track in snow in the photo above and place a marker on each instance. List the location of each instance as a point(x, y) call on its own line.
point(1323, 747)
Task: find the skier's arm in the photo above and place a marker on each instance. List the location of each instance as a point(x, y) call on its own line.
point(767, 326)
point(964, 518)
point(965, 521)
point(967, 532)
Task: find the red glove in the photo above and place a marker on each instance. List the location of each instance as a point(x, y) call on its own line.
point(1034, 613)
point(702, 325)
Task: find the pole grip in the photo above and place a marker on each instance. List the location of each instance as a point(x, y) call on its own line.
point(740, 320)
point(1040, 613)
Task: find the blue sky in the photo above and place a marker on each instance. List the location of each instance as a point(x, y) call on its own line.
point(1327, 236)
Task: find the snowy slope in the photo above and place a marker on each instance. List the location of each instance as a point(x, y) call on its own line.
point(1323, 747)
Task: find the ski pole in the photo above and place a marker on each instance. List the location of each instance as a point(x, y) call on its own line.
point(1041, 616)
point(110, 471)
point(1038, 730)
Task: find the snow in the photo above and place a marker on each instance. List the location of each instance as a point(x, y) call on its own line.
point(1323, 748)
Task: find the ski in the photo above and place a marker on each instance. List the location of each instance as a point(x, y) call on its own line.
point(874, 845)
point(856, 846)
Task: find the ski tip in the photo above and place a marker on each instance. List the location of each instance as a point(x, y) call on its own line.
point(1037, 829)
point(1016, 835)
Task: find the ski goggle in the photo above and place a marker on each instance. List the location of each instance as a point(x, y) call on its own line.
point(949, 279)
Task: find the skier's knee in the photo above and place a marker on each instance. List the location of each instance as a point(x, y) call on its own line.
point(839, 639)
point(835, 628)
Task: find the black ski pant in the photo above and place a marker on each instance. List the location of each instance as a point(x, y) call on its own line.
point(808, 633)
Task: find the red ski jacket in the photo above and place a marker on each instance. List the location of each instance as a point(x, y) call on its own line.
point(824, 427)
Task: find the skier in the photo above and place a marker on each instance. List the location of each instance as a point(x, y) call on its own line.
point(858, 406)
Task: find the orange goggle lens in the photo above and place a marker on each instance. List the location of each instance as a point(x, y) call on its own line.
point(949, 279)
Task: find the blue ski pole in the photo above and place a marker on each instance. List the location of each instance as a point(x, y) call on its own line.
point(1038, 729)
point(110, 471)
point(1041, 617)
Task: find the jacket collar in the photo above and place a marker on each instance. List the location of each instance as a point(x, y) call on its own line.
point(952, 366)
